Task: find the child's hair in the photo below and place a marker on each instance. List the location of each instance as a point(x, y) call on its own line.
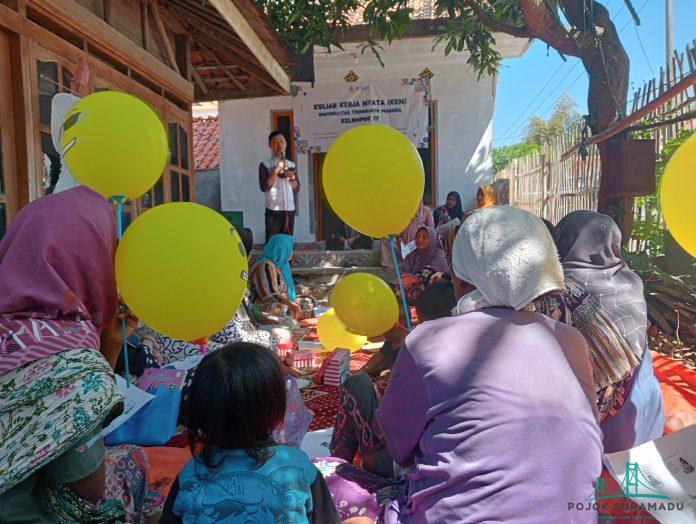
point(237, 399)
point(437, 301)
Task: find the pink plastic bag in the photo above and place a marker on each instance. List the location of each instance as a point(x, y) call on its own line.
point(297, 416)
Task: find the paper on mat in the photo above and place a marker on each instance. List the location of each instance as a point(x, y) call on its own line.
point(134, 398)
point(660, 475)
point(316, 443)
point(407, 249)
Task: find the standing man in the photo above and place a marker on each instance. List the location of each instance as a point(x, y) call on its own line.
point(278, 181)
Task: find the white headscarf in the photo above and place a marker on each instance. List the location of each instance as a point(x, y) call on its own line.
point(509, 255)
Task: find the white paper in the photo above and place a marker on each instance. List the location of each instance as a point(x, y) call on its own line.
point(185, 363)
point(134, 398)
point(660, 475)
point(316, 443)
point(407, 249)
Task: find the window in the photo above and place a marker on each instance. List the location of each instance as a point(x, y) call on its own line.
point(52, 79)
point(159, 191)
point(429, 157)
point(180, 169)
point(174, 186)
point(3, 220)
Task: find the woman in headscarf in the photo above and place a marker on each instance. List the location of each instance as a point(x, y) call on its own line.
point(516, 412)
point(272, 285)
point(423, 217)
point(451, 210)
point(419, 266)
point(589, 245)
point(486, 196)
point(57, 298)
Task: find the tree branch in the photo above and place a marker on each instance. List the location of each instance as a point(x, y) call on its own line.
point(496, 25)
point(545, 25)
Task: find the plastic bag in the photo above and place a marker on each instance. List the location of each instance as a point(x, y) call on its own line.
point(153, 424)
point(297, 417)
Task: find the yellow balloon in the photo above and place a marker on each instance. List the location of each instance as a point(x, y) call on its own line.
point(333, 333)
point(373, 179)
point(114, 143)
point(365, 304)
point(182, 269)
point(677, 195)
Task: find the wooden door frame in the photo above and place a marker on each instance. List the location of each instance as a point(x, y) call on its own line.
point(316, 166)
point(10, 174)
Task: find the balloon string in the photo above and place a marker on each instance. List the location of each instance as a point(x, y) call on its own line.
point(407, 311)
point(124, 327)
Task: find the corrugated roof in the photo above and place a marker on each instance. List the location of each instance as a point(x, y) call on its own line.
point(206, 143)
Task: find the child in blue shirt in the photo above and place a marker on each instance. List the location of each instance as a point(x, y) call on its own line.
point(237, 473)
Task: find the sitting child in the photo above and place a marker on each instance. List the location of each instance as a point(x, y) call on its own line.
point(237, 473)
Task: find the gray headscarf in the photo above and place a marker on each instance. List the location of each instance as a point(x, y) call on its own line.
point(589, 245)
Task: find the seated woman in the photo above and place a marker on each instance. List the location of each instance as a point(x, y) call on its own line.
point(57, 299)
point(485, 407)
point(420, 265)
point(629, 395)
point(272, 285)
point(360, 395)
point(451, 210)
point(422, 218)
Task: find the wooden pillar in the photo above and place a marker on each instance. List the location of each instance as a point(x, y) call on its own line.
point(108, 11)
point(182, 43)
point(28, 187)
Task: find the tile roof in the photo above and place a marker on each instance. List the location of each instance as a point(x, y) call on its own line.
point(422, 10)
point(206, 143)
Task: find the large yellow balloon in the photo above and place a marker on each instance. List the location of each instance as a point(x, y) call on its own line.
point(333, 333)
point(365, 304)
point(182, 269)
point(373, 179)
point(678, 195)
point(114, 143)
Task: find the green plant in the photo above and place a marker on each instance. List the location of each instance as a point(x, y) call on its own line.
point(648, 229)
point(502, 156)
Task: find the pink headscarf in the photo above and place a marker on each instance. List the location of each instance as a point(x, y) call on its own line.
point(57, 283)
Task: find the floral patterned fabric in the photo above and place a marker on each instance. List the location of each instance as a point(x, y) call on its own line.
point(127, 480)
point(47, 406)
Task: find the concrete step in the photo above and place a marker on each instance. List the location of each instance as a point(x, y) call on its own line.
point(320, 259)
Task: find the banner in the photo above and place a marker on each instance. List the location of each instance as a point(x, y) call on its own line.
point(325, 111)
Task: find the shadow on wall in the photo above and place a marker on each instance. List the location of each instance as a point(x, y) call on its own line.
point(208, 188)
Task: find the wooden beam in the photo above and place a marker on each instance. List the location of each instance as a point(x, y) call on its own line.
point(222, 67)
point(16, 5)
point(197, 77)
point(182, 42)
point(251, 68)
point(108, 11)
point(163, 35)
point(232, 94)
point(113, 43)
point(236, 19)
point(145, 24)
point(622, 125)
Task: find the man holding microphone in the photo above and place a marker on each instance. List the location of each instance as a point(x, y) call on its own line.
point(278, 181)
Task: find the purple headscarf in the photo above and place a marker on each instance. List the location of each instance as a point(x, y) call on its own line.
point(432, 256)
point(57, 283)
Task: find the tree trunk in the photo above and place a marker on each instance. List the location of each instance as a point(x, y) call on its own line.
point(607, 66)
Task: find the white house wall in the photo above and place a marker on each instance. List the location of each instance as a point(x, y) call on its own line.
point(463, 122)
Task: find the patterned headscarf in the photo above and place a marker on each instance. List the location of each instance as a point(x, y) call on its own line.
point(278, 250)
point(57, 284)
point(589, 245)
